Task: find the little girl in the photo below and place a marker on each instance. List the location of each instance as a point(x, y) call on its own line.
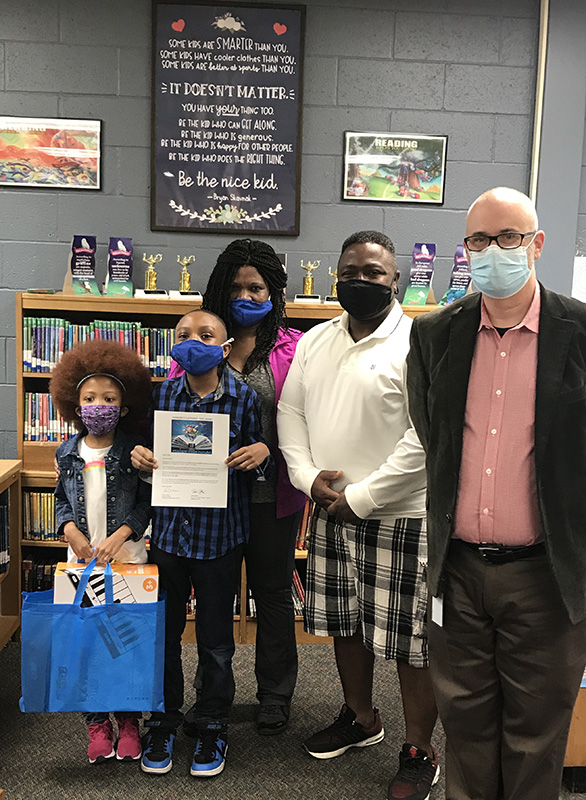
point(101, 504)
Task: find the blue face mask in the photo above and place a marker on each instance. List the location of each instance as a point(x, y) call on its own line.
point(499, 273)
point(197, 357)
point(249, 312)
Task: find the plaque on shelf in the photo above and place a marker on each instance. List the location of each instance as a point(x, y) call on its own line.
point(119, 277)
point(459, 279)
point(419, 291)
point(81, 273)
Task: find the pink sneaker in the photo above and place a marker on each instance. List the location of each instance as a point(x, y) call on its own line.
point(129, 744)
point(101, 744)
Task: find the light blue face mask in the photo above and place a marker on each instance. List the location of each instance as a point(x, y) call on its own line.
point(499, 273)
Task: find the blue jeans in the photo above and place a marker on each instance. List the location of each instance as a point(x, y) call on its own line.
point(215, 582)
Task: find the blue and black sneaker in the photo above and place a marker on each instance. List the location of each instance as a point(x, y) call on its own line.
point(157, 751)
point(211, 747)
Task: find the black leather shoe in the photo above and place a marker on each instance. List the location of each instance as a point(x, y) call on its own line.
point(272, 719)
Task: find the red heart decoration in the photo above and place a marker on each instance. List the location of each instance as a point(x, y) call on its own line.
point(279, 29)
point(178, 26)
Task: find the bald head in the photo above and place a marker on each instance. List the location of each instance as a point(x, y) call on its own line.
point(503, 196)
point(504, 210)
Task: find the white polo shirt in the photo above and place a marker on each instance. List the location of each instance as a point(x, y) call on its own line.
point(344, 406)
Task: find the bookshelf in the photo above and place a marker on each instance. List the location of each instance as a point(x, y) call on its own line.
point(37, 456)
point(10, 580)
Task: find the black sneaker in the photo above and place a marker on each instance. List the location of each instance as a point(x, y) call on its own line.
point(417, 773)
point(343, 734)
point(271, 719)
point(211, 747)
point(157, 751)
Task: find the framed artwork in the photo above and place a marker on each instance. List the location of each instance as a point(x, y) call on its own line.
point(226, 117)
point(45, 153)
point(394, 167)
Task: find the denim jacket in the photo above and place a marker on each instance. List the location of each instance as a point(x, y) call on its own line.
point(128, 497)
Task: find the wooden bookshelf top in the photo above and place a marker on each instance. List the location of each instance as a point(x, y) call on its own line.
point(53, 303)
point(9, 469)
point(42, 543)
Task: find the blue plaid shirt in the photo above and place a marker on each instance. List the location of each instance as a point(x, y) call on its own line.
point(211, 532)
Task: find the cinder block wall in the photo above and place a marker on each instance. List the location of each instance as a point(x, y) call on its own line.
point(463, 68)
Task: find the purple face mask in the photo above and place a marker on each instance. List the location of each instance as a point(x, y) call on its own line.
point(100, 419)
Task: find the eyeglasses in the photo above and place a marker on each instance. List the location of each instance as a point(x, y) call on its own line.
point(506, 241)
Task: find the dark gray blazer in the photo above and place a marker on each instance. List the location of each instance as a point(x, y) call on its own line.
point(442, 346)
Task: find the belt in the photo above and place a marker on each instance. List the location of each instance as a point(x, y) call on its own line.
point(502, 553)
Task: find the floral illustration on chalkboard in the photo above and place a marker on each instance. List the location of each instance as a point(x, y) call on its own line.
point(228, 22)
point(226, 214)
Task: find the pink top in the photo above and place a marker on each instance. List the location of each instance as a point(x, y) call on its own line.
point(289, 499)
point(497, 494)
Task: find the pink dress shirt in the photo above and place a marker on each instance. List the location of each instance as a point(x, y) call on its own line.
point(497, 494)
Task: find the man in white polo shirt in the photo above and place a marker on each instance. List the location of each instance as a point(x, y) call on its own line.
point(345, 432)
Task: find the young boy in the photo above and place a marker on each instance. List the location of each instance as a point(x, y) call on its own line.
point(202, 546)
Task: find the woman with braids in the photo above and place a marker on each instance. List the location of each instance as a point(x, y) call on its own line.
point(101, 504)
point(247, 290)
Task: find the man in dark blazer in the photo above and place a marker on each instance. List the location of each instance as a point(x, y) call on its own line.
point(497, 394)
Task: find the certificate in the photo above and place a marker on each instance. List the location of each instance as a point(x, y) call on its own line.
point(191, 450)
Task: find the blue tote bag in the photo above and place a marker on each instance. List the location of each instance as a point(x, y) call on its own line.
point(102, 658)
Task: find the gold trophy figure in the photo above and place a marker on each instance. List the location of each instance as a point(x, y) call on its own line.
point(308, 279)
point(150, 276)
point(185, 279)
point(334, 289)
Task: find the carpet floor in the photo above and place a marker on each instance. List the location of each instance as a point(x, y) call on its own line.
point(43, 756)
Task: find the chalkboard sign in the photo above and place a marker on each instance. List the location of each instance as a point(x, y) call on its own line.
point(226, 153)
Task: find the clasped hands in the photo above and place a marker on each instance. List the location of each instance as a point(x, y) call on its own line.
point(334, 503)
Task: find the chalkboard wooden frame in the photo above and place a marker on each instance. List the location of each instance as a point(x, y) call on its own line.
point(176, 204)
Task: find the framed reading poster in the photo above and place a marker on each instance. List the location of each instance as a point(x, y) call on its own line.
point(39, 152)
point(394, 167)
point(226, 117)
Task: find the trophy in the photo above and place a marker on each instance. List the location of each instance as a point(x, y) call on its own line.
point(150, 276)
point(308, 296)
point(185, 278)
point(332, 297)
point(185, 290)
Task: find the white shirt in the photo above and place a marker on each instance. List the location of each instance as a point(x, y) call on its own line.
point(344, 406)
point(95, 493)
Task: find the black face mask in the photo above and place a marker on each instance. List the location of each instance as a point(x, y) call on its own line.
point(362, 299)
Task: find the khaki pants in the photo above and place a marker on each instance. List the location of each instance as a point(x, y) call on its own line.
point(506, 667)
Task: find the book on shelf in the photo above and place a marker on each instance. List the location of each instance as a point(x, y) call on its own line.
point(38, 516)
point(42, 421)
point(37, 572)
point(303, 532)
point(45, 339)
point(191, 604)
point(4, 538)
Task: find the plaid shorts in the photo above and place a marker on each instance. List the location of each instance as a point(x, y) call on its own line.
point(373, 575)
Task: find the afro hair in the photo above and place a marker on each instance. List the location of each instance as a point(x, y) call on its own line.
point(97, 356)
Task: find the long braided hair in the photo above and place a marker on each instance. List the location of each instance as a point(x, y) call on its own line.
point(261, 256)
